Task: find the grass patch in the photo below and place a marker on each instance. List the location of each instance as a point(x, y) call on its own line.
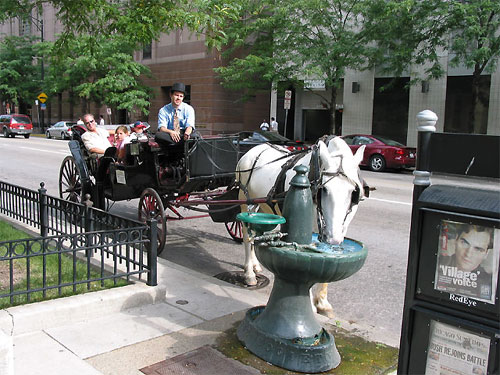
point(46, 268)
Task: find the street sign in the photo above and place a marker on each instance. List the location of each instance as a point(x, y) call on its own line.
point(108, 111)
point(42, 97)
point(43, 107)
point(288, 99)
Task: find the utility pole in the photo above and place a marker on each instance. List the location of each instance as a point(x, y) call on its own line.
point(38, 22)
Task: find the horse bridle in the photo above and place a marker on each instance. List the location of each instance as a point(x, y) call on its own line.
point(317, 186)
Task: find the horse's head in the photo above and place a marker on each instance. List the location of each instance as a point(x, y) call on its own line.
point(340, 188)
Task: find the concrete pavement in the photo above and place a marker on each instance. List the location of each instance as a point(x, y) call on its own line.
point(121, 330)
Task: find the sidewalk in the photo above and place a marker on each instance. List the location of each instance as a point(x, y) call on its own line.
point(120, 331)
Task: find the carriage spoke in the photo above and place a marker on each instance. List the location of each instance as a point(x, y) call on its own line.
point(151, 207)
point(235, 230)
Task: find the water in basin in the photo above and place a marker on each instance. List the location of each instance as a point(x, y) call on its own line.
point(347, 246)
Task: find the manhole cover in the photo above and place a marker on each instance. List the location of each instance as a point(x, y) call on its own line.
point(202, 361)
point(237, 278)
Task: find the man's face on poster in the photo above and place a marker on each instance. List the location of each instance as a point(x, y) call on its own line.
point(471, 248)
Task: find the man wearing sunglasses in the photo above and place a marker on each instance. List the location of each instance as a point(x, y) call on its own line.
point(95, 139)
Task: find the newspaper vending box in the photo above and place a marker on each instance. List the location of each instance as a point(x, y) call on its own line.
point(451, 317)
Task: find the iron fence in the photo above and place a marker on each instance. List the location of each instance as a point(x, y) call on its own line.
point(115, 246)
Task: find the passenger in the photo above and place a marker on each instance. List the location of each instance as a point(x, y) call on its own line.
point(121, 139)
point(95, 139)
point(138, 131)
point(176, 119)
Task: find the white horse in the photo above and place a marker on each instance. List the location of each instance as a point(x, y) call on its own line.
point(335, 183)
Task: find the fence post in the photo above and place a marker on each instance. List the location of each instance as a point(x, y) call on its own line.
point(426, 127)
point(88, 224)
point(152, 253)
point(42, 209)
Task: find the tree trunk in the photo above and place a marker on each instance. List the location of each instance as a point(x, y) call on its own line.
point(472, 126)
point(331, 108)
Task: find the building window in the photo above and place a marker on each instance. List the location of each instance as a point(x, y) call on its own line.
point(146, 51)
point(24, 27)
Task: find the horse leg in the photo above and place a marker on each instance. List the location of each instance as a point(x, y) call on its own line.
point(250, 259)
point(251, 264)
point(320, 300)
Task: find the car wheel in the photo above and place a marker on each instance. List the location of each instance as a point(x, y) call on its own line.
point(5, 133)
point(377, 163)
point(63, 136)
point(47, 134)
point(26, 136)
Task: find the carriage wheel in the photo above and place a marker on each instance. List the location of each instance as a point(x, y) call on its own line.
point(70, 182)
point(235, 230)
point(151, 207)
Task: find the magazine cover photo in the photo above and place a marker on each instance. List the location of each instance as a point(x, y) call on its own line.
point(468, 260)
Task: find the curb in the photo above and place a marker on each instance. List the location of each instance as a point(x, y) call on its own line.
point(48, 314)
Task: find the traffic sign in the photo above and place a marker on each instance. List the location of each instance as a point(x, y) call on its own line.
point(42, 97)
point(288, 94)
point(287, 103)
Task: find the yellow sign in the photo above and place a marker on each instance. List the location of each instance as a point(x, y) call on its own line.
point(42, 97)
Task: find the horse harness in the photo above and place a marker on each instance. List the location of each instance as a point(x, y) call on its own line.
point(316, 175)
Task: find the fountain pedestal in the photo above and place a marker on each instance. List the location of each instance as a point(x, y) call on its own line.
point(285, 332)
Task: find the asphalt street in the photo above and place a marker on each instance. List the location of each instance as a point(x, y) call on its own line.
point(372, 298)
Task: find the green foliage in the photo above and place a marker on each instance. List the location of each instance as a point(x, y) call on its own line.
point(101, 70)
point(290, 41)
point(19, 74)
point(476, 34)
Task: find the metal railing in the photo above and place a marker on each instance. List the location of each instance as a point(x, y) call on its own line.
point(117, 246)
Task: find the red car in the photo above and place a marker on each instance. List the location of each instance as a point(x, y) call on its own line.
point(381, 152)
point(15, 124)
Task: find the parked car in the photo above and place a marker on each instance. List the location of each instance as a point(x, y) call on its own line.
point(15, 124)
point(249, 139)
point(381, 152)
point(61, 129)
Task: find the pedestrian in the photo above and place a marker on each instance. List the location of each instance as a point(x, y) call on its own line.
point(264, 126)
point(176, 119)
point(274, 125)
point(101, 121)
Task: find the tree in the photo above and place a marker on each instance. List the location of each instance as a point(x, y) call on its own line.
point(475, 42)
point(19, 76)
point(295, 40)
point(412, 32)
point(101, 70)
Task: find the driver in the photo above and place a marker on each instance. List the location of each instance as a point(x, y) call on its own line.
point(176, 119)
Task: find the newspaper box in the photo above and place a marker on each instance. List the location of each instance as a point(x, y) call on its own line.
point(452, 322)
point(451, 317)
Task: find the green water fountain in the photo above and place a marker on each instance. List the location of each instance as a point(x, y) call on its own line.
point(286, 332)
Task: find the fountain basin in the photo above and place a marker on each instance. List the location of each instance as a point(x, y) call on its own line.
point(286, 332)
point(313, 267)
point(260, 222)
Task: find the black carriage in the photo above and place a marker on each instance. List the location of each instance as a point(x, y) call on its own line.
point(197, 172)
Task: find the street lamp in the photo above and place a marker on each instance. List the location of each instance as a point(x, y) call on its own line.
point(38, 22)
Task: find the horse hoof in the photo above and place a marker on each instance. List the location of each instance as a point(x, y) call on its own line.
point(250, 281)
point(326, 312)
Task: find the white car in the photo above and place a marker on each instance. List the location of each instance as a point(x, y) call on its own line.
point(61, 129)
